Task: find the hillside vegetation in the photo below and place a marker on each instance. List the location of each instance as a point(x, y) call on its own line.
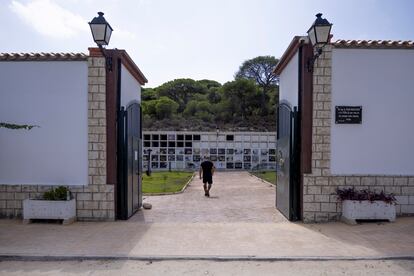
point(246, 103)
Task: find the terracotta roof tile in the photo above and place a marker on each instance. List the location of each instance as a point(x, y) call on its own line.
point(382, 44)
point(42, 56)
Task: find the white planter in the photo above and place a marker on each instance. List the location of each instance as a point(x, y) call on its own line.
point(49, 209)
point(365, 209)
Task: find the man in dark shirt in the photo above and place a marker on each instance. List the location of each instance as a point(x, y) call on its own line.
point(206, 172)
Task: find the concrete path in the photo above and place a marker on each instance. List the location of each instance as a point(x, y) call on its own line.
point(235, 197)
point(238, 221)
point(191, 268)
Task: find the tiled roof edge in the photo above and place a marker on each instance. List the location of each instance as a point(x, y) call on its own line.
point(42, 56)
point(381, 44)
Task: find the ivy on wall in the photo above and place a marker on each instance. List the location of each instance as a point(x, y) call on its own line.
point(16, 126)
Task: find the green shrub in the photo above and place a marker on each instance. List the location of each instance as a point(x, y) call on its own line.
point(59, 193)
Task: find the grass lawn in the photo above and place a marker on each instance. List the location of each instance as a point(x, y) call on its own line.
point(269, 176)
point(165, 182)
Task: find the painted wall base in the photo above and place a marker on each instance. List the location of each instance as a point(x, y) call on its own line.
point(376, 210)
point(49, 209)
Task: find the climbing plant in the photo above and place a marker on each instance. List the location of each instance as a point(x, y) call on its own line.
point(16, 126)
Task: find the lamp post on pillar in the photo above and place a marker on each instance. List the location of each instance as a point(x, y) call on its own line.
point(101, 32)
point(318, 34)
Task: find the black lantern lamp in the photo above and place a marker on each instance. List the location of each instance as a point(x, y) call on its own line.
point(318, 35)
point(101, 32)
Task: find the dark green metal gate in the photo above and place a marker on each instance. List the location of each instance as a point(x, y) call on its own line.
point(288, 186)
point(129, 184)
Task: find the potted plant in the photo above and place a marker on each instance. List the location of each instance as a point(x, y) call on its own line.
point(57, 203)
point(366, 204)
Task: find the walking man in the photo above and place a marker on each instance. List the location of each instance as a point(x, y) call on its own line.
point(206, 172)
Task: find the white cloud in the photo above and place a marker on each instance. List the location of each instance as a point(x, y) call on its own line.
point(124, 34)
point(50, 19)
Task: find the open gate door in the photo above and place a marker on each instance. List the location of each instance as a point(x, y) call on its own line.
point(129, 196)
point(287, 188)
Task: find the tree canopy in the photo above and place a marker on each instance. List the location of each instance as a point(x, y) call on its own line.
point(248, 102)
point(181, 91)
point(260, 70)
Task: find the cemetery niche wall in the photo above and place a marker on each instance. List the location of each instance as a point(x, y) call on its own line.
point(185, 150)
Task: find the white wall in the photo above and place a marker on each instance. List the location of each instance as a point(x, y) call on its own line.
point(130, 88)
point(289, 82)
point(54, 96)
point(382, 82)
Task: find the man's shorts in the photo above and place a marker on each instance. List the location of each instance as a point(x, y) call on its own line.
point(208, 180)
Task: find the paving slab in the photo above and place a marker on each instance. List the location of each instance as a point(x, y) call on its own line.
point(239, 220)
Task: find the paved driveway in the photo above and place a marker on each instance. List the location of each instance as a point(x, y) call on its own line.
point(234, 197)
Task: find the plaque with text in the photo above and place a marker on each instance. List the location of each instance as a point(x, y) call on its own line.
point(348, 114)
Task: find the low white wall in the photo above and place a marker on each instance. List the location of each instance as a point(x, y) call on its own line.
point(289, 82)
point(53, 95)
point(130, 88)
point(382, 82)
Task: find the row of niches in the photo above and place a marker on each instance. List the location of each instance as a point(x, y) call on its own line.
point(178, 144)
point(218, 165)
point(221, 158)
point(172, 137)
point(208, 137)
point(211, 151)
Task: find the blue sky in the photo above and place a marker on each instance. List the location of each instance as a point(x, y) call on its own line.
point(190, 38)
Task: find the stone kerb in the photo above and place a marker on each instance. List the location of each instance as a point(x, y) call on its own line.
point(320, 203)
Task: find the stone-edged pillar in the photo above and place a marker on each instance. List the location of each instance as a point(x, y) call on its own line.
point(96, 200)
point(318, 202)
